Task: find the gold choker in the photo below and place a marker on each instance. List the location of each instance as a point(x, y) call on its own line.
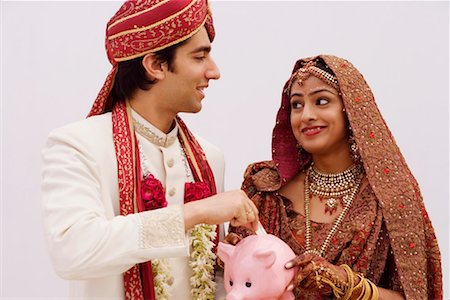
point(335, 188)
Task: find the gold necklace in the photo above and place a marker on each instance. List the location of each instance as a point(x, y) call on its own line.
point(337, 222)
point(335, 188)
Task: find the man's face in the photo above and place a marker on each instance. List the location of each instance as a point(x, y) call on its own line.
point(193, 67)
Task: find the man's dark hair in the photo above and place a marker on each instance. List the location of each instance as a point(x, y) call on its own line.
point(131, 74)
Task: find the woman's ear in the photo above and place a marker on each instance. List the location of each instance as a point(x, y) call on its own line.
point(155, 69)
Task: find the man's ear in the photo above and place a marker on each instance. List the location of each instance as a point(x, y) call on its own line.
point(155, 68)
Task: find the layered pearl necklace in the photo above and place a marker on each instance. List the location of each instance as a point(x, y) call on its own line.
point(330, 185)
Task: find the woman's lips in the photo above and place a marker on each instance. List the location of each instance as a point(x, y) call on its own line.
point(313, 130)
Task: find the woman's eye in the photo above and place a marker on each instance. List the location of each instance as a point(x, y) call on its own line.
point(248, 284)
point(296, 105)
point(322, 101)
point(231, 283)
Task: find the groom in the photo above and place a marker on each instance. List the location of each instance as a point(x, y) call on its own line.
point(131, 197)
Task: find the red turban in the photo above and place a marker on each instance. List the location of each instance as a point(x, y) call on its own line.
point(141, 27)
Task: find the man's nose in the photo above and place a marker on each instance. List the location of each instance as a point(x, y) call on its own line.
point(213, 71)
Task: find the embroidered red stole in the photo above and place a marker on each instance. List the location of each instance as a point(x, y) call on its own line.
point(138, 280)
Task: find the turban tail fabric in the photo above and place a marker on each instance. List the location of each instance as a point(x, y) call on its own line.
point(138, 28)
point(416, 254)
point(142, 27)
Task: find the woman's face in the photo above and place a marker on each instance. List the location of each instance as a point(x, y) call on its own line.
point(317, 118)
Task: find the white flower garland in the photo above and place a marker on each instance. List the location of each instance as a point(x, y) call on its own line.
point(202, 259)
point(161, 278)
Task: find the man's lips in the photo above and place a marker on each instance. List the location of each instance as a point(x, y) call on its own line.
point(201, 89)
point(312, 130)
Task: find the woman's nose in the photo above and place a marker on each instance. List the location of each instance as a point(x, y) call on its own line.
point(309, 113)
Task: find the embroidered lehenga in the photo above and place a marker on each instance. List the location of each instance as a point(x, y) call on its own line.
point(386, 234)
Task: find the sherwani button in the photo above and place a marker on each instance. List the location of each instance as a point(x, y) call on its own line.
point(172, 192)
point(170, 163)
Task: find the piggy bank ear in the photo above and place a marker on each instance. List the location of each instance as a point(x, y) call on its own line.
point(267, 258)
point(225, 251)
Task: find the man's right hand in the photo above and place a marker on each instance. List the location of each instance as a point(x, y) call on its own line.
point(233, 206)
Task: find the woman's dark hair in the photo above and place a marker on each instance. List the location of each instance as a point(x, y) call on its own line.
point(131, 74)
point(324, 67)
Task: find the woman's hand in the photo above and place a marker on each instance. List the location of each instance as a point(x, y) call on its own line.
point(311, 268)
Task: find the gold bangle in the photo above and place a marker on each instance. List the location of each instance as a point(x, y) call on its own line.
point(350, 282)
point(358, 289)
point(363, 292)
point(370, 291)
point(374, 289)
point(367, 290)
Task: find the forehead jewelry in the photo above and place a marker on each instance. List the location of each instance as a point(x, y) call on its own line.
point(310, 69)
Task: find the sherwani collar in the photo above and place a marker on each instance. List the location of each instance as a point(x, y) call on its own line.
point(152, 133)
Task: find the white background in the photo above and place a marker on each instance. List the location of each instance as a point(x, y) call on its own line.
point(54, 63)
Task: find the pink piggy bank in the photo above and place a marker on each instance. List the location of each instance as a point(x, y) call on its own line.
point(254, 268)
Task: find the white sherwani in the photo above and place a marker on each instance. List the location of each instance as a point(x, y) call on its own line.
point(90, 243)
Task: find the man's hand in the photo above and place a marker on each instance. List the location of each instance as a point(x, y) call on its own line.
point(233, 206)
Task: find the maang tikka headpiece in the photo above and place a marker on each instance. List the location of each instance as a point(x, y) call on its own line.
point(309, 69)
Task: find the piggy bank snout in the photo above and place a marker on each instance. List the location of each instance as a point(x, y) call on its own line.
point(258, 260)
point(232, 297)
point(235, 295)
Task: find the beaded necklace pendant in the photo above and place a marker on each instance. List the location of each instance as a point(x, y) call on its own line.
point(331, 205)
point(346, 203)
point(333, 189)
